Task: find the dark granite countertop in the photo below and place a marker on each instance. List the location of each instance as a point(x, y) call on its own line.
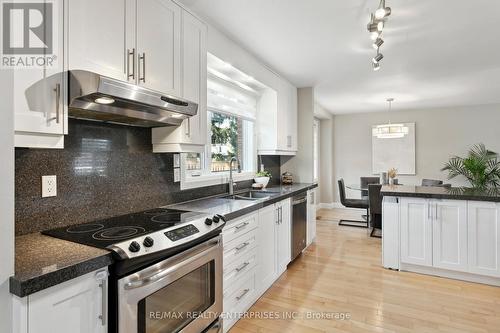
point(44, 261)
point(432, 192)
point(232, 209)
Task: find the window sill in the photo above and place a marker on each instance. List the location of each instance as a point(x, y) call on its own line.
point(189, 182)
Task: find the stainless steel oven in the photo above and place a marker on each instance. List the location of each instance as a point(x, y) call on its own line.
point(180, 294)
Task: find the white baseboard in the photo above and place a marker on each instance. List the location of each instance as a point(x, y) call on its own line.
point(330, 205)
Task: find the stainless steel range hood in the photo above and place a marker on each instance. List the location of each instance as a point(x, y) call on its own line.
point(96, 97)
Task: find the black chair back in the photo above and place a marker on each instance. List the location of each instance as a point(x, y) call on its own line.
point(375, 199)
point(365, 181)
point(431, 182)
point(342, 191)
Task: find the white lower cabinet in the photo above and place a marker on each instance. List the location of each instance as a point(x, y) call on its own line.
point(283, 234)
point(77, 306)
point(416, 231)
point(484, 238)
point(449, 234)
point(268, 263)
point(256, 251)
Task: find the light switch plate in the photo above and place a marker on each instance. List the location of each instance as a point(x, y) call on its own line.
point(177, 160)
point(49, 186)
point(177, 175)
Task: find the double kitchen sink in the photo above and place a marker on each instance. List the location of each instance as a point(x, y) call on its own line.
point(252, 195)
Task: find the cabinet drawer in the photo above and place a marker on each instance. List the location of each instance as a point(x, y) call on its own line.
point(238, 298)
point(239, 227)
point(239, 268)
point(240, 246)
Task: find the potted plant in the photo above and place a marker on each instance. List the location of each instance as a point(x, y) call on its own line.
point(481, 167)
point(392, 173)
point(262, 177)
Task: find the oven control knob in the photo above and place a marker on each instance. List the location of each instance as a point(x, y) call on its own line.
point(216, 219)
point(208, 221)
point(148, 242)
point(221, 217)
point(134, 247)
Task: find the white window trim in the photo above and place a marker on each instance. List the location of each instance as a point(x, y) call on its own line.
point(190, 182)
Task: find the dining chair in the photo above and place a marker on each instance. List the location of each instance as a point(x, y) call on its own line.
point(352, 203)
point(375, 203)
point(364, 181)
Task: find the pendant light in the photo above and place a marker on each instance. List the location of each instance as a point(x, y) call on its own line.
point(375, 27)
point(389, 130)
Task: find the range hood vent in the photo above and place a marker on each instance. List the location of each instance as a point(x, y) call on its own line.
point(100, 98)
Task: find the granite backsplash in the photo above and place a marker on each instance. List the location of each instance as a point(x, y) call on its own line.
point(104, 170)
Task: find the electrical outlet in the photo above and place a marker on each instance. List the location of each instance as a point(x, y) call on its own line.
point(177, 175)
point(49, 186)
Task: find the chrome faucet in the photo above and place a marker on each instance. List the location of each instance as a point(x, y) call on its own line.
point(231, 182)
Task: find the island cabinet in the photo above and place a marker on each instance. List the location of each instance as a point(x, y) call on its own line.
point(484, 238)
point(452, 238)
point(77, 306)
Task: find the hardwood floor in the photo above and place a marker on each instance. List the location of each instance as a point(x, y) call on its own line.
point(341, 272)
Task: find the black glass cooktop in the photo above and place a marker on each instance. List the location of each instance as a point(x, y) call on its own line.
point(107, 232)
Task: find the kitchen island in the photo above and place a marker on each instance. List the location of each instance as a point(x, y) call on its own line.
point(448, 232)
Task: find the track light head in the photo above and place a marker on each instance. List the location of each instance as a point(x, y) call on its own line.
point(377, 58)
point(380, 26)
point(376, 66)
point(372, 27)
point(382, 11)
point(374, 35)
point(377, 43)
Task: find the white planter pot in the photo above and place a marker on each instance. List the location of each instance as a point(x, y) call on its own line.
point(262, 180)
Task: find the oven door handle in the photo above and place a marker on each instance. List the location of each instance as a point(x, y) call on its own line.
point(165, 272)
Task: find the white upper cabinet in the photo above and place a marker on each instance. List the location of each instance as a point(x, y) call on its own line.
point(277, 120)
point(484, 238)
point(101, 37)
point(40, 112)
point(449, 234)
point(158, 45)
point(191, 136)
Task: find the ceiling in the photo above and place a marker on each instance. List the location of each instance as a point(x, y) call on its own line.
point(437, 53)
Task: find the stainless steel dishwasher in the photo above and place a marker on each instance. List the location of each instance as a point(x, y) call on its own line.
point(299, 224)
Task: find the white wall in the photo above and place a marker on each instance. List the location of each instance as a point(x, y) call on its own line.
point(301, 165)
point(326, 183)
point(6, 198)
point(440, 133)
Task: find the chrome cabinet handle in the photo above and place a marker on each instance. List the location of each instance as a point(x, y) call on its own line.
point(436, 206)
point(289, 141)
point(242, 246)
point(429, 210)
point(103, 284)
point(58, 101)
point(281, 215)
point(278, 215)
point(242, 267)
point(143, 58)
point(242, 225)
point(133, 63)
point(188, 127)
point(242, 294)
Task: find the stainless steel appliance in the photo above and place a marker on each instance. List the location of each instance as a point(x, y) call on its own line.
point(167, 276)
point(299, 224)
point(96, 97)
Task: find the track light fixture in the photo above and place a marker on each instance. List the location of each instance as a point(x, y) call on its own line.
point(382, 11)
point(377, 58)
point(377, 43)
point(375, 27)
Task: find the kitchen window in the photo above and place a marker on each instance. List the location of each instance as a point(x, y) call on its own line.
point(232, 108)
